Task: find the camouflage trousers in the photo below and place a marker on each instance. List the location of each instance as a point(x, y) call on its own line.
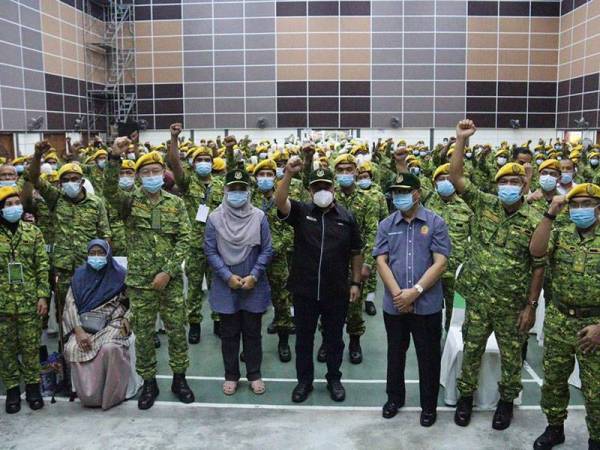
point(145, 305)
point(448, 283)
point(482, 317)
point(196, 267)
point(560, 349)
point(277, 273)
point(369, 286)
point(19, 349)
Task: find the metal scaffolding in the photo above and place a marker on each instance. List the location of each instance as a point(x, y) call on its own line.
point(109, 65)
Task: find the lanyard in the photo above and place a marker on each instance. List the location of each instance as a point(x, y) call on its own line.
point(207, 194)
point(266, 206)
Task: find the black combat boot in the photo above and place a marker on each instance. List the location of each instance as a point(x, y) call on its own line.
point(148, 394)
point(503, 415)
point(13, 400)
point(370, 308)
point(355, 350)
point(33, 396)
point(553, 435)
point(464, 408)
point(283, 348)
point(194, 333)
point(180, 388)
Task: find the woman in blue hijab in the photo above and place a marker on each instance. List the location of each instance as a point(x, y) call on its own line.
point(96, 316)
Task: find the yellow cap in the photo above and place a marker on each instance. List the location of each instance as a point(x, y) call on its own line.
point(219, 164)
point(51, 155)
point(444, 169)
point(70, 168)
point(266, 164)
point(51, 177)
point(510, 169)
point(19, 160)
point(366, 166)
point(150, 158)
point(201, 151)
point(584, 190)
point(128, 164)
point(7, 191)
point(281, 155)
point(99, 153)
point(593, 155)
point(550, 164)
point(346, 158)
point(502, 152)
point(250, 168)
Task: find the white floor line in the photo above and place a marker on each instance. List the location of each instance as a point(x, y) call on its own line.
point(533, 374)
point(200, 405)
point(293, 380)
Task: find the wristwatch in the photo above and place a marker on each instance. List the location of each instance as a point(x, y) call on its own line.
point(419, 288)
point(358, 285)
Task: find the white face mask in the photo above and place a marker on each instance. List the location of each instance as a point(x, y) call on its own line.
point(323, 198)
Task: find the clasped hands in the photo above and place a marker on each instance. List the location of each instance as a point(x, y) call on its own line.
point(404, 299)
point(246, 283)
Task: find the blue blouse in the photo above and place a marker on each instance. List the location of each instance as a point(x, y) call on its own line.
point(221, 297)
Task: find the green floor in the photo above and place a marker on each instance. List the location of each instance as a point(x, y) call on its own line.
point(365, 383)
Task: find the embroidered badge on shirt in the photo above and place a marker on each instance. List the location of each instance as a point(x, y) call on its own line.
point(424, 230)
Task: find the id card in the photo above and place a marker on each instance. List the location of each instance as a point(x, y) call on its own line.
point(156, 219)
point(202, 213)
point(15, 273)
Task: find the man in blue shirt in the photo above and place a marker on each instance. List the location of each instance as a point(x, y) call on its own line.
point(412, 249)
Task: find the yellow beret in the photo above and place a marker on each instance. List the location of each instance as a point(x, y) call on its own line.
point(449, 152)
point(250, 168)
point(346, 158)
point(70, 168)
point(7, 191)
point(510, 169)
point(189, 152)
point(414, 163)
point(202, 151)
point(150, 158)
point(51, 155)
point(366, 166)
point(99, 153)
point(539, 156)
point(128, 164)
point(265, 164)
point(51, 177)
point(219, 164)
point(281, 155)
point(584, 190)
point(550, 164)
point(19, 160)
point(502, 152)
point(444, 169)
point(593, 155)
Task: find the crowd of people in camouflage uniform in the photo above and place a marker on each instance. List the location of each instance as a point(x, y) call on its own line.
point(521, 218)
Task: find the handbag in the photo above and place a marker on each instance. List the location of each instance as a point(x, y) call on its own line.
point(94, 321)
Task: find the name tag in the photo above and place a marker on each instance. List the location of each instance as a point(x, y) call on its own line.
point(156, 219)
point(312, 219)
point(15, 273)
point(202, 214)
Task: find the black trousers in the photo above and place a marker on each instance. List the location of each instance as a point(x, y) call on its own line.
point(427, 334)
point(333, 317)
point(248, 326)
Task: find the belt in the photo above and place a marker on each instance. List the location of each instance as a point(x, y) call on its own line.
point(577, 312)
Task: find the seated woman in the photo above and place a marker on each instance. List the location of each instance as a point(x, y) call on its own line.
point(99, 361)
point(237, 243)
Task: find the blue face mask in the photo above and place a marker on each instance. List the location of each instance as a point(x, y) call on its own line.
point(468, 155)
point(415, 171)
point(345, 179)
point(96, 262)
point(153, 183)
point(203, 168)
point(582, 217)
point(445, 188)
point(126, 182)
point(12, 214)
point(548, 183)
point(20, 168)
point(72, 188)
point(365, 183)
point(265, 184)
point(102, 163)
point(8, 183)
point(279, 172)
point(593, 162)
point(237, 199)
point(508, 194)
point(403, 202)
point(566, 177)
point(501, 160)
